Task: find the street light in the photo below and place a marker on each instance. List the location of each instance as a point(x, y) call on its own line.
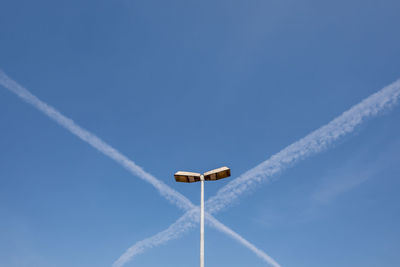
point(191, 177)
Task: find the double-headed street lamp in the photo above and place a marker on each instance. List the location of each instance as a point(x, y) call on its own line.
point(191, 177)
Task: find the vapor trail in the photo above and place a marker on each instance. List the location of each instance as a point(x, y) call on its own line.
point(224, 229)
point(173, 196)
point(170, 194)
point(174, 231)
point(313, 143)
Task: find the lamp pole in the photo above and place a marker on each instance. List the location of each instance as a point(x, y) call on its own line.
point(191, 177)
point(202, 221)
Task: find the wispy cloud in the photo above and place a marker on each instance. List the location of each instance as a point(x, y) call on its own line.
point(341, 180)
point(170, 194)
point(354, 173)
point(340, 183)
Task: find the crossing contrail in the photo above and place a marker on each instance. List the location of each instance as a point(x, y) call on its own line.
point(315, 142)
point(180, 227)
point(170, 194)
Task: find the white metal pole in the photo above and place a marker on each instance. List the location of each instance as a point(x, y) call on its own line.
point(202, 222)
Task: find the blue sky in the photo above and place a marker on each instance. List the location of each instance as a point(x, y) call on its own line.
point(190, 85)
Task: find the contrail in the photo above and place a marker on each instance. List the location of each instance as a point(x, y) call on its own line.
point(170, 194)
point(224, 229)
point(174, 231)
point(313, 143)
